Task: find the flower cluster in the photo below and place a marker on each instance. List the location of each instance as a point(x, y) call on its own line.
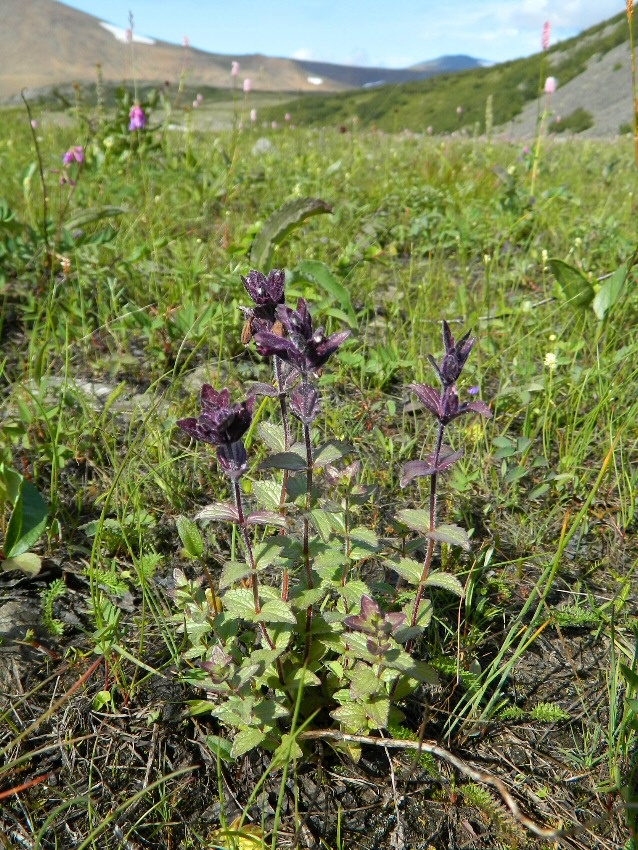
point(303, 347)
point(222, 425)
point(137, 118)
point(445, 405)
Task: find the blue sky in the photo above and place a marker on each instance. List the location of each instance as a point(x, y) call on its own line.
point(358, 32)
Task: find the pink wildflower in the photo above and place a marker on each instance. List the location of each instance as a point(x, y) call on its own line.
point(138, 119)
point(546, 34)
point(459, 110)
point(550, 85)
point(247, 85)
point(185, 41)
point(74, 154)
point(234, 69)
point(253, 115)
point(287, 117)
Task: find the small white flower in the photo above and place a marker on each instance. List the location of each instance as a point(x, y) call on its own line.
point(550, 361)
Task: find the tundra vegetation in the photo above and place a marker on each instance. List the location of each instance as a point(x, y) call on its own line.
point(318, 485)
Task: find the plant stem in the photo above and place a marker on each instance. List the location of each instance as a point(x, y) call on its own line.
point(630, 21)
point(306, 531)
point(243, 529)
point(285, 419)
point(427, 563)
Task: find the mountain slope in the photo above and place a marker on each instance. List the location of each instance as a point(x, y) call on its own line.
point(44, 43)
point(593, 72)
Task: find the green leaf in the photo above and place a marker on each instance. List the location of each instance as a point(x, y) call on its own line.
point(515, 474)
point(351, 716)
point(417, 520)
point(219, 746)
point(27, 522)
point(319, 273)
point(282, 222)
point(276, 611)
point(88, 216)
point(363, 543)
point(579, 291)
point(378, 710)
point(364, 682)
point(234, 571)
point(284, 460)
point(239, 603)
point(27, 562)
point(453, 535)
point(286, 751)
point(321, 521)
point(272, 435)
point(610, 291)
point(220, 512)
point(408, 569)
point(10, 481)
point(246, 740)
point(190, 537)
point(330, 452)
point(445, 581)
point(267, 494)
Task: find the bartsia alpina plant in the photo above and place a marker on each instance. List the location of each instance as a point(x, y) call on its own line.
point(298, 612)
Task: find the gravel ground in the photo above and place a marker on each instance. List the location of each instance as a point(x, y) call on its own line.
point(604, 90)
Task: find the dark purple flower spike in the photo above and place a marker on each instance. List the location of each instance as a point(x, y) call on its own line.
point(446, 406)
point(455, 357)
point(267, 293)
point(304, 348)
point(222, 425)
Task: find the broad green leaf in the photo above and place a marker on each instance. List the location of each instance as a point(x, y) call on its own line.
point(515, 474)
point(286, 751)
point(321, 521)
point(363, 543)
point(220, 512)
point(267, 494)
point(408, 569)
point(609, 292)
point(88, 216)
point(417, 520)
point(453, 535)
point(276, 611)
point(240, 603)
point(272, 435)
point(233, 571)
point(352, 591)
point(284, 460)
point(378, 710)
point(190, 537)
point(10, 481)
point(220, 747)
point(246, 740)
point(319, 273)
point(27, 522)
point(330, 452)
point(27, 562)
point(579, 291)
point(269, 551)
point(445, 581)
point(364, 682)
point(351, 716)
point(282, 222)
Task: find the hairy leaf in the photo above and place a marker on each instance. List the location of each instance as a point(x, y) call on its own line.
point(190, 537)
point(282, 222)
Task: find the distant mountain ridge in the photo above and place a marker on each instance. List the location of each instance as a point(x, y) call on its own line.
point(44, 43)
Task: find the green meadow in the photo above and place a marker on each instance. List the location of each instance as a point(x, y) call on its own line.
point(120, 284)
